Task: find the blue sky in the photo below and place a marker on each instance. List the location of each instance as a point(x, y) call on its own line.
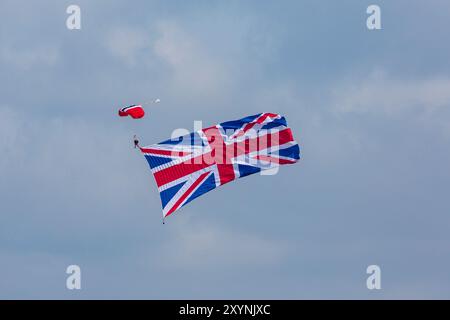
point(371, 110)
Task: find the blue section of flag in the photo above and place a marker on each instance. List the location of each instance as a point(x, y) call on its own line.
point(168, 194)
point(237, 124)
point(155, 161)
point(291, 152)
point(275, 123)
point(245, 170)
point(206, 186)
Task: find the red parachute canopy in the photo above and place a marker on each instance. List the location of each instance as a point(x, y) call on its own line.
point(134, 111)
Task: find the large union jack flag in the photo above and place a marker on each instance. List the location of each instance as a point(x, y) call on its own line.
point(189, 166)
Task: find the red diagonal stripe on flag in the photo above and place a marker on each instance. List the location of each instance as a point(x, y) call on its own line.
point(187, 193)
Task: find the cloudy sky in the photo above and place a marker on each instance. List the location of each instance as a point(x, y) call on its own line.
point(370, 109)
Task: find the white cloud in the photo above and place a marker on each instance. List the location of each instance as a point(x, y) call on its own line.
point(194, 70)
point(182, 62)
point(10, 137)
point(21, 272)
point(26, 58)
point(380, 93)
point(205, 245)
point(67, 160)
point(128, 44)
point(424, 102)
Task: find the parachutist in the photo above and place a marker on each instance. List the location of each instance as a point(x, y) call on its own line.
point(136, 142)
